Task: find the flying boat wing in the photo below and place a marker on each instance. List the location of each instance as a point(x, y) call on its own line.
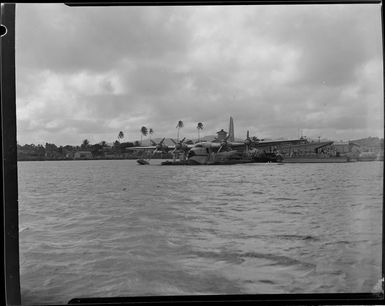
point(236, 144)
point(277, 142)
point(153, 149)
point(141, 148)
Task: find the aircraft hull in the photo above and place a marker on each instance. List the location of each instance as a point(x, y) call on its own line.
point(204, 160)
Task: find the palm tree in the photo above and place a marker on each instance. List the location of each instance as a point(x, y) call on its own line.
point(179, 126)
point(150, 131)
point(121, 135)
point(85, 144)
point(144, 132)
point(199, 128)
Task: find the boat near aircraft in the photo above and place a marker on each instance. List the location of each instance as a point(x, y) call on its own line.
point(224, 150)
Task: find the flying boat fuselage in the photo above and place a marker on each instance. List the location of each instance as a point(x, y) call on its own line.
point(223, 150)
point(205, 153)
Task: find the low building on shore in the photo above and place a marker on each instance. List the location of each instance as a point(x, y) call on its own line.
point(350, 149)
point(83, 155)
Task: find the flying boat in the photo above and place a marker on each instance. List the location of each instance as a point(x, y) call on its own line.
point(223, 150)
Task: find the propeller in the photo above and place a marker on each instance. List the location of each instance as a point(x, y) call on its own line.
point(251, 141)
point(160, 147)
point(223, 144)
point(179, 146)
point(248, 140)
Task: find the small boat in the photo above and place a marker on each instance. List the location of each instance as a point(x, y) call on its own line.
point(142, 162)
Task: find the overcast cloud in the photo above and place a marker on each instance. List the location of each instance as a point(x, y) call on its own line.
point(90, 72)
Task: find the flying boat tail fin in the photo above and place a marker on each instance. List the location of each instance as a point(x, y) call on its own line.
point(231, 130)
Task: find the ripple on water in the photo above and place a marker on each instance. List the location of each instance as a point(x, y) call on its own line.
point(284, 199)
point(105, 228)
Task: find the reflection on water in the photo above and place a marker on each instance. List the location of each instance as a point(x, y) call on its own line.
point(114, 228)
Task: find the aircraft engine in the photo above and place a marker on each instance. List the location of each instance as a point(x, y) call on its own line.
point(180, 146)
point(160, 147)
point(248, 140)
point(223, 144)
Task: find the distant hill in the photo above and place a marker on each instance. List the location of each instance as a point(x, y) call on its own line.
point(370, 142)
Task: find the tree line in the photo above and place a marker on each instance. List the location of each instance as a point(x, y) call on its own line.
point(97, 150)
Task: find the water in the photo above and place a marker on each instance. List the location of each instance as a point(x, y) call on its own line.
point(115, 228)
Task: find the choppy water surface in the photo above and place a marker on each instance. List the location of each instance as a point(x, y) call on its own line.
point(115, 228)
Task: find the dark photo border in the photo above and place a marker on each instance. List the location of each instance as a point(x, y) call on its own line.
point(9, 212)
point(10, 278)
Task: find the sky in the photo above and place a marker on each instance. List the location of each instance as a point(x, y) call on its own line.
point(279, 71)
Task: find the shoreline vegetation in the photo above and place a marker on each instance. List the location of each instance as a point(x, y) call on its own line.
point(32, 152)
point(119, 150)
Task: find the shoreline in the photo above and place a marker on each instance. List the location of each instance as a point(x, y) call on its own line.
point(284, 161)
